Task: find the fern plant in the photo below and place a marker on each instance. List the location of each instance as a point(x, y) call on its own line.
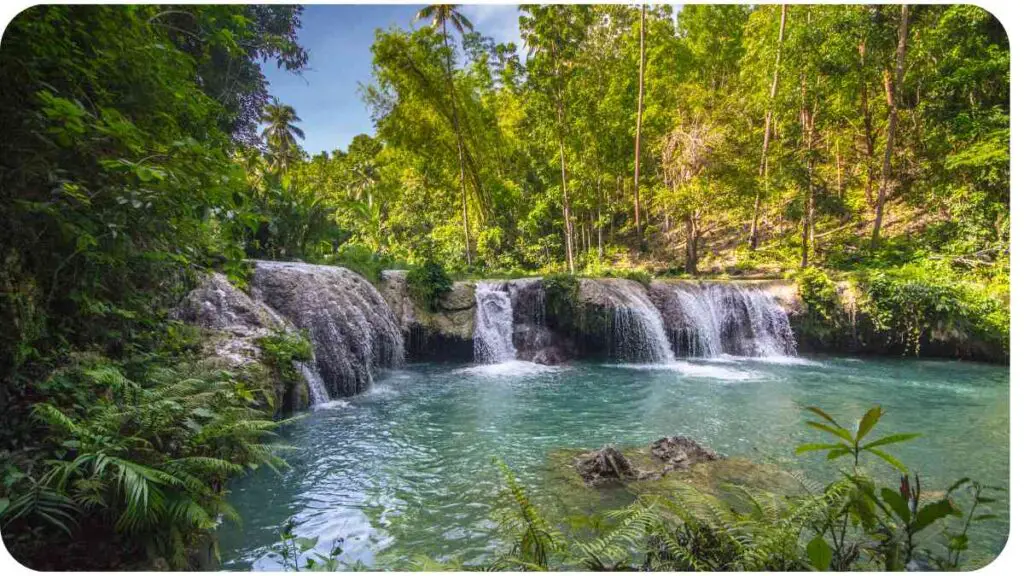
point(151, 459)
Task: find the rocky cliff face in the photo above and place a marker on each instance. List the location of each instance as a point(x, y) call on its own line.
point(353, 330)
point(446, 334)
point(234, 323)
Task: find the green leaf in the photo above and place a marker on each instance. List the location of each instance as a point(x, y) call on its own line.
point(838, 452)
point(305, 544)
point(819, 553)
point(816, 447)
point(897, 504)
point(958, 484)
point(893, 439)
point(838, 432)
point(928, 514)
point(824, 415)
point(4, 503)
point(868, 421)
point(892, 460)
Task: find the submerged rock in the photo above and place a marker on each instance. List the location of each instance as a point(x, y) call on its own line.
point(680, 452)
point(605, 465)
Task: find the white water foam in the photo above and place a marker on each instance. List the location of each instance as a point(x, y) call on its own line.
point(330, 405)
point(693, 370)
point(512, 368)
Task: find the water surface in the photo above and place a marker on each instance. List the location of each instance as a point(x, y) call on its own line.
point(406, 469)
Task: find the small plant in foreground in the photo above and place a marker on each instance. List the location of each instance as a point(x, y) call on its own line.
point(291, 549)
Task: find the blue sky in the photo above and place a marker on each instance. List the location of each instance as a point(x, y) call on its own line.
point(338, 38)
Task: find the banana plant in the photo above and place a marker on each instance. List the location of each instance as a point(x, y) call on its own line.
point(853, 442)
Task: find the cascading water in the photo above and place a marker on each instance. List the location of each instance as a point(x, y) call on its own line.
point(637, 331)
point(492, 330)
point(710, 319)
point(353, 331)
point(317, 390)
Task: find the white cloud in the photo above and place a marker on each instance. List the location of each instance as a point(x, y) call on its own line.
point(499, 21)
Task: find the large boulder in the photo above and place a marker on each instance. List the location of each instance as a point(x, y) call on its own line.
point(443, 334)
point(233, 323)
point(353, 330)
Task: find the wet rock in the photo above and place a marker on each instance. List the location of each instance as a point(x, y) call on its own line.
point(605, 465)
point(680, 452)
point(234, 323)
point(441, 335)
point(353, 331)
point(550, 356)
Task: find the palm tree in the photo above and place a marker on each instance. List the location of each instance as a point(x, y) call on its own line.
point(440, 15)
point(281, 133)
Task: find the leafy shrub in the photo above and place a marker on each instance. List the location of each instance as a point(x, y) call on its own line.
point(142, 464)
point(428, 284)
point(279, 352)
point(637, 275)
point(363, 261)
point(908, 302)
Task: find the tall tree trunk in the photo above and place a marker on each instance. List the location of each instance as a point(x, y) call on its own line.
point(565, 190)
point(892, 94)
point(639, 122)
point(807, 124)
point(762, 171)
point(600, 223)
point(692, 237)
point(458, 139)
point(869, 131)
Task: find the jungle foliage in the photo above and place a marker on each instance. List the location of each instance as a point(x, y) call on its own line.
point(117, 189)
point(141, 149)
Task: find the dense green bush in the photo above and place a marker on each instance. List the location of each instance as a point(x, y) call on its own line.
point(428, 284)
point(131, 467)
point(363, 261)
point(907, 303)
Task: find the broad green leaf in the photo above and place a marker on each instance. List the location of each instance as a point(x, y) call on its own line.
point(892, 460)
point(819, 553)
point(839, 452)
point(897, 504)
point(835, 431)
point(815, 447)
point(929, 513)
point(825, 415)
point(868, 421)
point(4, 503)
point(893, 439)
point(305, 544)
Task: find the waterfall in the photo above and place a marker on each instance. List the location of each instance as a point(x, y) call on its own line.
point(492, 330)
point(317, 390)
point(353, 331)
point(710, 319)
point(637, 331)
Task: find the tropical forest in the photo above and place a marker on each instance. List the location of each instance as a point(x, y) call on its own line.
point(592, 287)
